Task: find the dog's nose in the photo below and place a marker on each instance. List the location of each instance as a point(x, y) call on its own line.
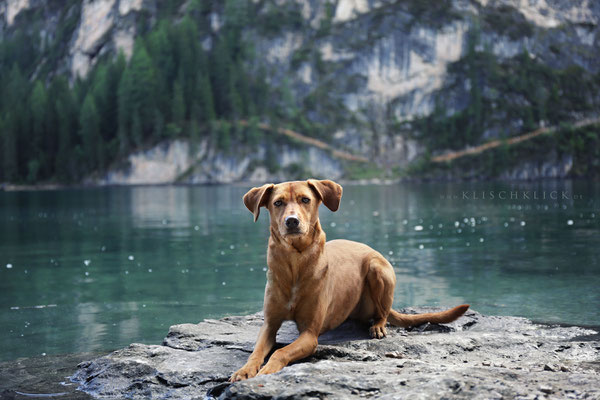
point(292, 222)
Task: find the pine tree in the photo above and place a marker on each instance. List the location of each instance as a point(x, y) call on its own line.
point(159, 125)
point(9, 148)
point(188, 50)
point(161, 53)
point(194, 136)
point(236, 105)
point(38, 106)
point(204, 92)
point(178, 103)
point(224, 136)
point(220, 71)
point(63, 165)
point(17, 148)
point(144, 89)
point(66, 125)
point(89, 130)
point(124, 111)
point(104, 88)
point(136, 97)
point(136, 129)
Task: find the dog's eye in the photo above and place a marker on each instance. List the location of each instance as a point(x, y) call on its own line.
point(305, 200)
point(278, 203)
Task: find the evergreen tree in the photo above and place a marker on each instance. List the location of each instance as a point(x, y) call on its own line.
point(136, 97)
point(89, 130)
point(144, 88)
point(161, 52)
point(66, 110)
point(188, 50)
point(9, 148)
point(38, 106)
point(224, 135)
point(178, 103)
point(159, 125)
point(203, 93)
point(236, 105)
point(104, 89)
point(136, 129)
point(124, 111)
point(220, 76)
point(17, 124)
point(194, 136)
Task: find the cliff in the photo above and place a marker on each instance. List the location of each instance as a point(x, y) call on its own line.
point(393, 81)
point(183, 161)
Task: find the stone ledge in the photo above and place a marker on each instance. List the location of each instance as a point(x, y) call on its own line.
point(475, 357)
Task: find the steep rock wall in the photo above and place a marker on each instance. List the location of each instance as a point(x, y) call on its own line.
point(356, 67)
point(181, 161)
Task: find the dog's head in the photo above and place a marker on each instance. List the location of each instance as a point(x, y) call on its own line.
point(294, 206)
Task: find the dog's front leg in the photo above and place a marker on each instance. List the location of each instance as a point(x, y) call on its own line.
point(264, 344)
point(304, 346)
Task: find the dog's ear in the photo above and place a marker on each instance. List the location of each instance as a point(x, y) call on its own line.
point(258, 197)
point(328, 191)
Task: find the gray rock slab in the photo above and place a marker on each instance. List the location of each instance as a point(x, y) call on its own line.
point(475, 357)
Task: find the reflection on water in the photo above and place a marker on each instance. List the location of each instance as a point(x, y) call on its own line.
point(118, 265)
point(153, 207)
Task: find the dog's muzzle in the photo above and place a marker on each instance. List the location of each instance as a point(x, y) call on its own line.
point(292, 224)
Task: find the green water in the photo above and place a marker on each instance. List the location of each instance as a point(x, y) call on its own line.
point(95, 269)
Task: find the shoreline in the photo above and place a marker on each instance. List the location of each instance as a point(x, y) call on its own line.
point(6, 187)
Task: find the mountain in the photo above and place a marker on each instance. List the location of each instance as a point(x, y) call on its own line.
point(141, 91)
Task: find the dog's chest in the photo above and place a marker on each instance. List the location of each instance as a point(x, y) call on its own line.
point(287, 294)
point(292, 299)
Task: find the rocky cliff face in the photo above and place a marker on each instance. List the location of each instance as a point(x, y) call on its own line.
point(182, 161)
point(101, 27)
point(359, 68)
point(105, 25)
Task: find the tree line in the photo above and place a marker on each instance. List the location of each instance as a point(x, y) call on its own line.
point(173, 85)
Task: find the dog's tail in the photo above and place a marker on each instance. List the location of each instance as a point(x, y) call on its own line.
point(405, 320)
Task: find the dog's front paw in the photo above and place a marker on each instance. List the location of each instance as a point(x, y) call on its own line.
point(246, 372)
point(378, 331)
point(271, 367)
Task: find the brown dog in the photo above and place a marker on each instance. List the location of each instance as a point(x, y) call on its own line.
point(318, 285)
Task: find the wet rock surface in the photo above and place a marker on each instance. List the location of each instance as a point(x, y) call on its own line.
point(42, 377)
point(475, 357)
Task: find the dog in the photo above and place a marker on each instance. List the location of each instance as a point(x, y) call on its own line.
point(318, 284)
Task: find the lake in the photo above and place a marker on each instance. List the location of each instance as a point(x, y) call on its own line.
point(95, 269)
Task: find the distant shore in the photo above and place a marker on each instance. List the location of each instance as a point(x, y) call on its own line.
point(10, 187)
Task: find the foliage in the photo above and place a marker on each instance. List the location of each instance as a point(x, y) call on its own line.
point(582, 144)
point(56, 129)
point(521, 91)
point(355, 170)
point(509, 21)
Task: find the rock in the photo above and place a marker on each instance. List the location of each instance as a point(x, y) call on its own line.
point(551, 368)
point(475, 357)
point(180, 161)
point(546, 389)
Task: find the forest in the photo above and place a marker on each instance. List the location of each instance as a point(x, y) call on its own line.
point(54, 129)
